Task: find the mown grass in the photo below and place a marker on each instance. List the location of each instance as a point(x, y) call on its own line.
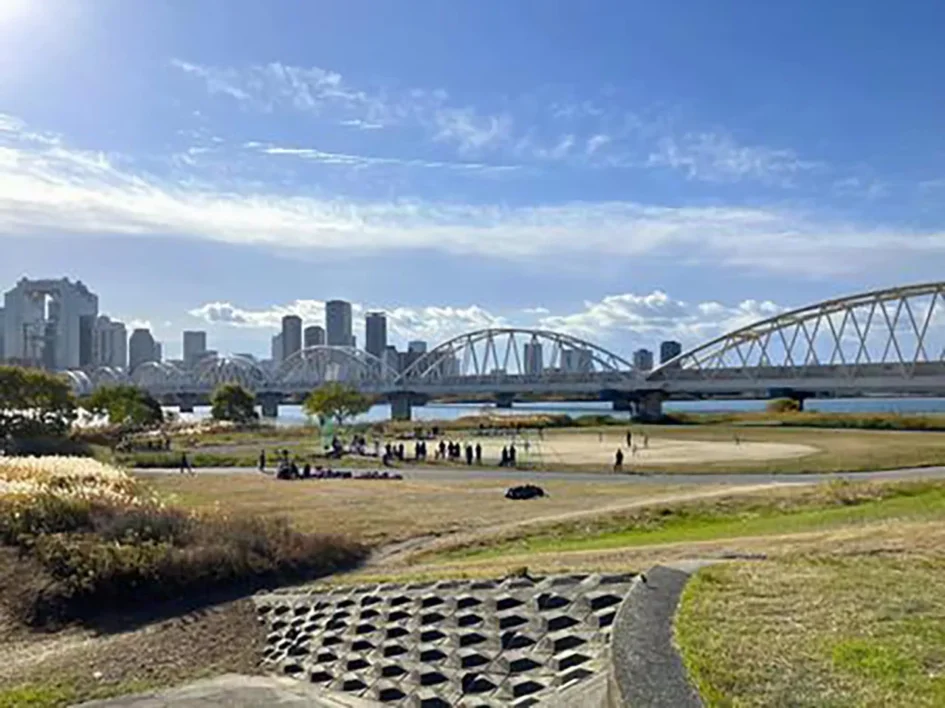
point(59, 693)
point(812, 631)
point(776, 512)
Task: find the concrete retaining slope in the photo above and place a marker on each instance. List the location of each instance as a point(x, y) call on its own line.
point(515, 642)
point(647, 669)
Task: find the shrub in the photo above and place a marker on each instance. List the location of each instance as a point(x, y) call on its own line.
point(91, 539)
point(783, 405)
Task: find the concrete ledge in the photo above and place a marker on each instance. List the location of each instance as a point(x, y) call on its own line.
point(236, 691)
point(647, 670)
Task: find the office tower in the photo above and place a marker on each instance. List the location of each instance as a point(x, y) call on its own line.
point(418, 346)
point(338, 323)
point(277, 349)
point(642, 360)
point(110, 343)
point(577, 361)
point(195, 348)
point(50, 323)
point(375, 333)
point(291, 335)
point(391, 357)
point(669, 350)
point(533, 358)
point(314, 336)
point(141, 349)
point(2, 354)
point(158, 352)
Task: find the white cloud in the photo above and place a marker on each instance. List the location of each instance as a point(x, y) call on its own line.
point(470, 131)
point(595, 142)
point(48, 188)
point(334, 158)
point(612, 321)
point(714, 157)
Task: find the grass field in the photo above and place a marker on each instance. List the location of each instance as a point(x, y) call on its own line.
point(378, 512)
point(867, 630)
point(687, 449)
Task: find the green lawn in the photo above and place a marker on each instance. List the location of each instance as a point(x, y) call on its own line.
point(830, 631)
point(783, 512)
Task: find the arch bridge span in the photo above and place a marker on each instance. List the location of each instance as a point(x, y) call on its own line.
point(884, 342)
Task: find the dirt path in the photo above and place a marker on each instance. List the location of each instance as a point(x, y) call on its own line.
point(398, 554)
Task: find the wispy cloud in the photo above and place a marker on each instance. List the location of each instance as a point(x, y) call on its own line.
point(644, 319)
point(47, 187)
point(335, 158)
point(715, 157)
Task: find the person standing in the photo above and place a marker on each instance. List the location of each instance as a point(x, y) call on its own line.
point(629, 438)
point(262, 461)
point(618, 461)
point(185, 464)
point(478, 454)
point(469, 454)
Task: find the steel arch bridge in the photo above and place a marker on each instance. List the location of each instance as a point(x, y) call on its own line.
point(313, 366)
point(889, 341)
point(516, 360)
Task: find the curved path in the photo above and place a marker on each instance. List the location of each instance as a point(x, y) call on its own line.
point(753, 478)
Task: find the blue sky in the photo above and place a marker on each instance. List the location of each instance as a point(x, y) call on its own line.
point(625, 171)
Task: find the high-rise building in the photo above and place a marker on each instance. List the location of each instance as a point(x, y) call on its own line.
point(2, 354)
point(195, 347)
point(375, 333)
point(391, 357)
point(278, 350)
point(141, 349)
point(418, 346)
point(314, 336)
point(669, 350)
point(533, 358)
point(110, 343)
point(291, 335)
point(50, 323)
point(642, 360)
point(577, 361)
point(158, 352)
point(338, 323)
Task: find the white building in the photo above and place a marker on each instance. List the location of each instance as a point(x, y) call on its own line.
point(643, 360)
point(50, 323)
point(110, 343)
point(577, 361)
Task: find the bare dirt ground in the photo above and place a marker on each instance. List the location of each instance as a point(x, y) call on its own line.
point(600, 448)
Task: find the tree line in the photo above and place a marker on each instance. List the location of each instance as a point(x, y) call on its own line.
point(39, 404)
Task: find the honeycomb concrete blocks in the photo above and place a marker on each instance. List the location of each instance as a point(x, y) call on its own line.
point(513, 642)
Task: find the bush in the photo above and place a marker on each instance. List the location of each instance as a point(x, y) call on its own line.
point(783, 405)
point(90, 540)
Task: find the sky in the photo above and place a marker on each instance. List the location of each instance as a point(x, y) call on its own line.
point(623, 171)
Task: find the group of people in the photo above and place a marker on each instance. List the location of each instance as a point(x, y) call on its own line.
point(455, 451)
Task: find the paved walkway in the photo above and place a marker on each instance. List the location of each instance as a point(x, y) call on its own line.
point(236, 691)
point(464, 473)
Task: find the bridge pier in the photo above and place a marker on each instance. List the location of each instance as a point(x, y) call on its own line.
point(269, 405)
point(401, 407)
point(622, 404)
point(504, 400)
point(186, 403)
point(649, 406)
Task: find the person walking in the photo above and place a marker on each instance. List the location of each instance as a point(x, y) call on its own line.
point(478, 454)
point(629, 438)
point(262, 460)
point(469, 454)
point(618, 461)
point(185, 464)
point(512, 455)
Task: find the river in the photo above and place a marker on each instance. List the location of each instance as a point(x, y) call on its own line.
point(293, 415)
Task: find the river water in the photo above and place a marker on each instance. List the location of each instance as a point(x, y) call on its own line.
point(293, 415)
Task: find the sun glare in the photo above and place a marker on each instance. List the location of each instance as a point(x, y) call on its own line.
point(13, 10)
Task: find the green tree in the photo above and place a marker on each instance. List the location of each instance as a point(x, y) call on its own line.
point(34, 404)
point(337, 402)
point(234, 403)
point(783, 405)
point(125, 405)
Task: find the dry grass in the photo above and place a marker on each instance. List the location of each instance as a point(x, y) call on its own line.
point(378, 512)
point(863, 630)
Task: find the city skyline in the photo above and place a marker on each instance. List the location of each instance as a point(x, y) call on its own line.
point(595, 169)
